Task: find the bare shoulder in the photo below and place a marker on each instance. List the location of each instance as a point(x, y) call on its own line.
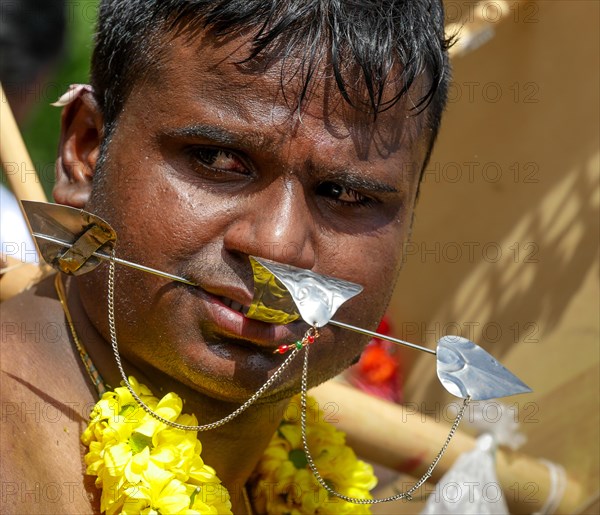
point(45, 401)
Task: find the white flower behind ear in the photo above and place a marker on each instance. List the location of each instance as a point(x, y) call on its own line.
point(74, 91)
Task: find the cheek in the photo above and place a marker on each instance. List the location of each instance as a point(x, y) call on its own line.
point(159, 219)
point(374, 263)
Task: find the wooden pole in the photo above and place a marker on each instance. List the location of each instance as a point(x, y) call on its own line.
point(405, 440)
point(25, 184)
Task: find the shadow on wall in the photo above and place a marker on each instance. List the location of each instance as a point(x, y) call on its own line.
point(507, 227)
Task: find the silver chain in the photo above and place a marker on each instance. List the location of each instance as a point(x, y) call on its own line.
point(355, 500)
point(142, 404)
point(256, 395)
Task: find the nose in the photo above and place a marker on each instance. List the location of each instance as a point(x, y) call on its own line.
point(275, 223)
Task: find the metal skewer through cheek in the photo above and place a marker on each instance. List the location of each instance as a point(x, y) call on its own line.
point(107, 257)
point(282, 293)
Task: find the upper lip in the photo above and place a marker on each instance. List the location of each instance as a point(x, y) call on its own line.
point(241, 296)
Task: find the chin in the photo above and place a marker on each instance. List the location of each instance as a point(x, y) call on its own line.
point(232, 372)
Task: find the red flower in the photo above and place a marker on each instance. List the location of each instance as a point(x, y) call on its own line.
point(378, 371)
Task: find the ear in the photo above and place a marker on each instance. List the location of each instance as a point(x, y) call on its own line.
point(78, 150)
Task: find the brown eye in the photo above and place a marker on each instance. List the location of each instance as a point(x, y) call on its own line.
point(219, 159)
point(343, 195)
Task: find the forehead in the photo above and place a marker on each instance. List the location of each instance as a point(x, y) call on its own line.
point(201, 70)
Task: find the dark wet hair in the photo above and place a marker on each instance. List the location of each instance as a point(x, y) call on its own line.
point(372, 46)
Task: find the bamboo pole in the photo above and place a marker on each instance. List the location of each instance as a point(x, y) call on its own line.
point(25, 184)
point(403, 439)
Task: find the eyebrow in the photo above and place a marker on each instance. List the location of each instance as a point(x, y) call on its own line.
point(216, 135)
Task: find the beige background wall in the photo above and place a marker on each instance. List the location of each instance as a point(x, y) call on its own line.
point(505, 243)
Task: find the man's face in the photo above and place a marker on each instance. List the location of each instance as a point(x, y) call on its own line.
point(208, 164)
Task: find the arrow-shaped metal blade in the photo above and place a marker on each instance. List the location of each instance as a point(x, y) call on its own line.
point(466, 370)
point(316, 297)
point(74, 241)
point(68, 225)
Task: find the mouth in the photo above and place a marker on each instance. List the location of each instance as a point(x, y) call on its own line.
point(233, 305)
point(225, 317)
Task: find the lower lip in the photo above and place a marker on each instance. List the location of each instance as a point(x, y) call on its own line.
point(234, 324)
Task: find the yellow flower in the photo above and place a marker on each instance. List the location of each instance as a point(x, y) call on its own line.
point(145, 466)
point(283, 482)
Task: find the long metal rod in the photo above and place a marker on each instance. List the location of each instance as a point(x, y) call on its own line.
point(143, 268)
point(380, 336)
point(106, 257)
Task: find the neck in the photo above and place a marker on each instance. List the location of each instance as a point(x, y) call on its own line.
point(233, 449)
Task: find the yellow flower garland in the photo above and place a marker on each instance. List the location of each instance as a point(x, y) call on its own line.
point(146, 467)
point(283, 484)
